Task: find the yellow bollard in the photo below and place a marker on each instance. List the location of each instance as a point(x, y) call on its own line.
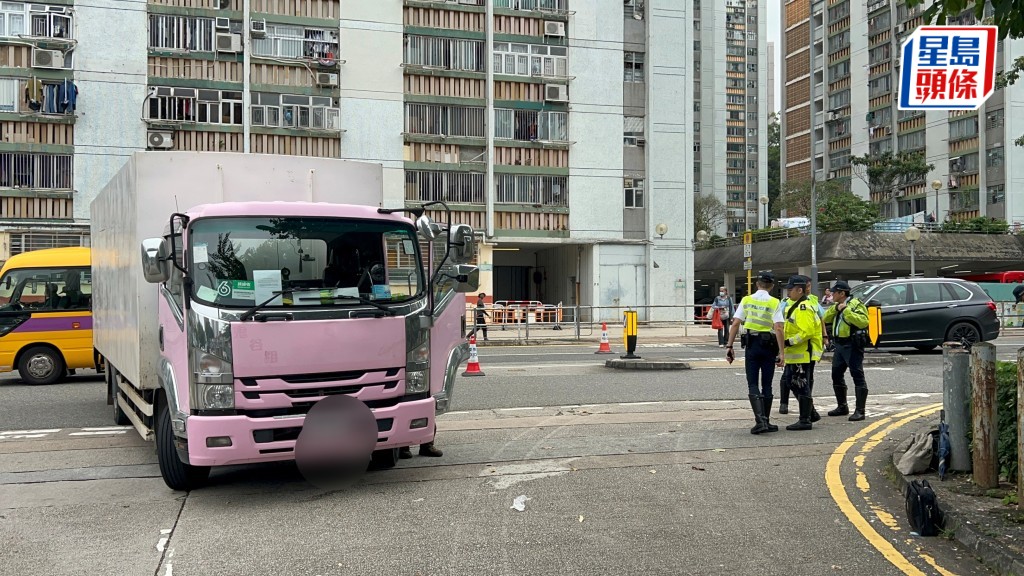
point(629, 334)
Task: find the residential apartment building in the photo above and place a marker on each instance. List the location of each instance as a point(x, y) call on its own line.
point(730, 106)
point(771, 79)
point(522, 121)
point(850, 90)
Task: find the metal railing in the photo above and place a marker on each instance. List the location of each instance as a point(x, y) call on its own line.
point(767, 234)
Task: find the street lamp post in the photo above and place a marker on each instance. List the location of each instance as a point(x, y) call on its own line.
point(912, 234)
point(764, 210)
point(936, 184)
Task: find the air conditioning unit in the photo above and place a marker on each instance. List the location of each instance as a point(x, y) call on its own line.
point(831, 175)
point(554, 28)
point(159, 139)
point(326, 79)
point(641, 142)
point(556, 93)
point(223, 23)
point(899, 193)
point(833, 116)
point(229, 42)
point(53, 59)
point(257, 28)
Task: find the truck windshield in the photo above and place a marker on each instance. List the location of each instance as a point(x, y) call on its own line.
point(242, 262)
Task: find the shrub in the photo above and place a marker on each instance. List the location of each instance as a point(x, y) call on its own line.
point(1006, 400)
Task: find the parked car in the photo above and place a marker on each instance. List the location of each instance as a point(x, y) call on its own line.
point(925, 312)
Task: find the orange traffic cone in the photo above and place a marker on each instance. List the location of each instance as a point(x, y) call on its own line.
point(605, 347)
point(473, 367)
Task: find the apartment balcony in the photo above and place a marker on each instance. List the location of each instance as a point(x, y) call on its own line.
point(964, 200)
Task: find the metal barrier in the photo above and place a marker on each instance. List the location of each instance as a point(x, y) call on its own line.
point(533, 320)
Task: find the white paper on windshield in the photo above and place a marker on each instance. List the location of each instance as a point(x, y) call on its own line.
point(208, 294)
point(200, 255)
point(267, 282)
point(351, 291)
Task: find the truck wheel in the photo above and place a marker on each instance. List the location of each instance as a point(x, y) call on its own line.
point(177, 475)
point(384, 459)
point(120, 418)
point(41, 365)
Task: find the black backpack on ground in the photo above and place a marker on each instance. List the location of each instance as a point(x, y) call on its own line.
point(923, 508)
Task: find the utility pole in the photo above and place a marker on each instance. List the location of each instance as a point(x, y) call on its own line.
point(810, 140)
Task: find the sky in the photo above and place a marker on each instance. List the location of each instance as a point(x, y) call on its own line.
point(774, 35)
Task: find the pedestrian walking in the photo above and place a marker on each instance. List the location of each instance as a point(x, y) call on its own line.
point(761, 321)
point(802, 328)
point(849, 320)
point(480, 318)
point(723, 304)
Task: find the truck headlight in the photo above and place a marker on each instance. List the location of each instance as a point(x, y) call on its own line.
point(211, 369)
point(219, 396)
point(417, 381)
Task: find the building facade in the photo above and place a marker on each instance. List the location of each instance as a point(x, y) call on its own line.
point(730, 104)
point(515, 114)
point(850, 91)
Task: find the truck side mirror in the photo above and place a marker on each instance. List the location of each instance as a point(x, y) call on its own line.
point(463, 248)
point(467, 278)
point(155, 266)
point(427, 228)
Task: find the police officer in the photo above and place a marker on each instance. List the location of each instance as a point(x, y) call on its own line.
point(802, 328)
point(759, 316)
point(818, 349)
point(848, 318)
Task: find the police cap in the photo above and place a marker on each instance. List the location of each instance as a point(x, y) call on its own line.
point(841, 286)
point(766, 276)
point(796, 281)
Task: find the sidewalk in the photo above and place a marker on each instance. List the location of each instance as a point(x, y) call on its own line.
point(516, 335)
point(977, 519)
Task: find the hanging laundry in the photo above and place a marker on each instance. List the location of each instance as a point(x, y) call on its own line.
point(50, 99)
point(67, 97)
point(34, 94)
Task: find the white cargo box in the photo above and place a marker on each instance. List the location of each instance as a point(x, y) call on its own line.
point(138, 203)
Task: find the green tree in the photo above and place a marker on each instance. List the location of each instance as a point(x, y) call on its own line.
point(708, 213)
point(795, 197)
point(774, 167)
point(886, 173)
point(845, 211)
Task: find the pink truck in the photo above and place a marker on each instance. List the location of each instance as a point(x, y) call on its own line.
point(265, 284)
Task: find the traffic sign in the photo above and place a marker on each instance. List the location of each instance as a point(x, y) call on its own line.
point(748, 265)
point(948, 67)
point(747, 250)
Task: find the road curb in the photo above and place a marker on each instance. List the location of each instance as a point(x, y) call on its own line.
point(871, 359)
point(985, 548)
point(642, 364)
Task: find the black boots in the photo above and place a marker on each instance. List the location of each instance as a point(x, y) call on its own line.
point(758, 407)
point(425, 450)
point(843, 409)
point(766, 401)
point(862, 400)
point(806, 407)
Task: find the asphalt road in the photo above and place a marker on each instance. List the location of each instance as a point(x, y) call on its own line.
point(623, 473)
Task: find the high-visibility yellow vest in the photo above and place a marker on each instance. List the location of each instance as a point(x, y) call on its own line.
point(758, 313)
point(803, 326)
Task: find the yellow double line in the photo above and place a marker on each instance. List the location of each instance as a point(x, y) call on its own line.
point(842, 499)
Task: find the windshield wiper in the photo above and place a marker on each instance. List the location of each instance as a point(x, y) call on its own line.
point(251, 312)
point(359, 299)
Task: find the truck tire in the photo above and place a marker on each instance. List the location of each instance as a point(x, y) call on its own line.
point(41, 365)
point(177, 475)
point(384, 459)
point(120, 418)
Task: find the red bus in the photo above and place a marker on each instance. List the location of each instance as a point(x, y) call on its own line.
point(997, 277)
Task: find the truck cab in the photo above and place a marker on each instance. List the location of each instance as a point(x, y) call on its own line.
point(266, 308)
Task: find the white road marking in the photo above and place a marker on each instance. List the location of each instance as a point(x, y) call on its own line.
point(913, 395)
point(48, 431)
point(512, 474)
point(523, 408)
point(107, 428)
point(100, 433)
point(22, 436)
point(640, 403)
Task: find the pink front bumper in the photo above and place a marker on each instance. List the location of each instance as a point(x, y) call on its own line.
point(245, 449)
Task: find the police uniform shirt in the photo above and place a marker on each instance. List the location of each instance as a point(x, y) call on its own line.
point(760, 296)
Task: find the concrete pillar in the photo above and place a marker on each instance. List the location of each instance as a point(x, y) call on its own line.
point(485, 259)
point(729, 281)
point(928, 271)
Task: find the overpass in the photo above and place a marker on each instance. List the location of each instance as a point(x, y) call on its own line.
point(855, 256)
